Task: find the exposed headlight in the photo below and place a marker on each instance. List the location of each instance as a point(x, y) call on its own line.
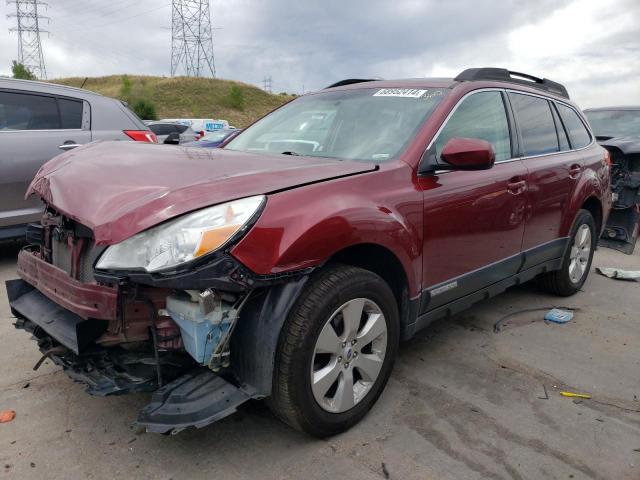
point(183, 239)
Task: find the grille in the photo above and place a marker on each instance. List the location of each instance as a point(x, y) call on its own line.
point(61, 255)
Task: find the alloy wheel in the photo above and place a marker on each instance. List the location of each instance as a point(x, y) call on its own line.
point(580, 253)
point(348, 355)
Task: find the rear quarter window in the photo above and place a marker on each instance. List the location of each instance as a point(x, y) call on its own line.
point(578, 132)
point(536, 124)
point(70, 113)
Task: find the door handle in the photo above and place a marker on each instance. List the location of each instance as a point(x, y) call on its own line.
point(574, 170)
point(69, 146)
point(516, 187)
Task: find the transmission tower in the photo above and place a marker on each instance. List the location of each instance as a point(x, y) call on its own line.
point(191, 38)
point(266, 81)
point(29, 46)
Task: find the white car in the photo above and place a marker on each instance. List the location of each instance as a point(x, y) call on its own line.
point(200, 125)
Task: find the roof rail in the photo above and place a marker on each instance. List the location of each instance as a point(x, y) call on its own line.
point(350, 81)
point(504, 75)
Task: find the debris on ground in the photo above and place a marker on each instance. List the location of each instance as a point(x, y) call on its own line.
point(385, 472)
point(619, 274)
point(546, 394)
point(498, 326)
point(556, 315)
point(576, 395)
point(7, 416)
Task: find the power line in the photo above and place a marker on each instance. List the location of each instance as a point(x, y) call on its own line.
point(28, 21)
point(191, 38)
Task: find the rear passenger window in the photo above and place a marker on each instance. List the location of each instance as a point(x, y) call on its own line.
point(70, 113)
point(536, 124)
point(481, 115)
point(578, 133)
point(19, 111)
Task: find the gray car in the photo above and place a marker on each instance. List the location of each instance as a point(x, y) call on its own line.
point(40, 120)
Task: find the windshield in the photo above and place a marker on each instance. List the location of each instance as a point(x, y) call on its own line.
point(216, 136)
point(373, 124)
point(615, 123)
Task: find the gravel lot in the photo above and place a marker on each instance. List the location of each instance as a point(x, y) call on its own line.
point(463, 402)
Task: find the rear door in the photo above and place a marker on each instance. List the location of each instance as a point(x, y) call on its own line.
point(553, 172)
point(473, 220)
point(34, 128)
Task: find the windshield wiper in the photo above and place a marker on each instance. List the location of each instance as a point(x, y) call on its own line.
point(290, 152)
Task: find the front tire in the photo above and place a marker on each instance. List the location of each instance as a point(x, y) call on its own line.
point(336, 351)
point(577, 260)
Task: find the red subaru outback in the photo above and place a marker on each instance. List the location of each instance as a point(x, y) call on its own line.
point(289, 264)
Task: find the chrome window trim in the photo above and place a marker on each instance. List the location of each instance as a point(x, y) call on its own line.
point(47, 130)
point(509, 90)
point(593, 138)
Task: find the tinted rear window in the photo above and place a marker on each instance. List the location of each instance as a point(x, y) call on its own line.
point(182, 128)
point(536, 124)
point(70, 113)
point(578, 133)
point(162, 129)
point(19, 111)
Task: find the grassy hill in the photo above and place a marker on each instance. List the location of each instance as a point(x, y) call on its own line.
point(189, 97)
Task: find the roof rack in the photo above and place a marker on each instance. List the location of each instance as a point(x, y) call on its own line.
point(350, 81)
point(504, 75)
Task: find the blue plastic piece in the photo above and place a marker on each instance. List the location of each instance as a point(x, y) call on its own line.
point(558, 316)
point(200, 338)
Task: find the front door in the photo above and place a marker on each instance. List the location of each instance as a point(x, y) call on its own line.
point(473, 220)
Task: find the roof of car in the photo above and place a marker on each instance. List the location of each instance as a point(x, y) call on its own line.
point(45, 87)
point(489, 76)
point(602, 109)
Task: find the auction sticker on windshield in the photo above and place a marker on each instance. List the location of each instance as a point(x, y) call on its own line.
point(400, 92)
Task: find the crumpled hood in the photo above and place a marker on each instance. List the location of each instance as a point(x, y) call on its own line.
point(627, 145)
point(120, 188)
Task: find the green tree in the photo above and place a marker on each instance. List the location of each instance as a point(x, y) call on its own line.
point(145, 109)
point(236, 98)
point(22, 72)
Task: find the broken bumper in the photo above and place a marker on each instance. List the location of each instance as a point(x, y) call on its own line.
point(84, 300)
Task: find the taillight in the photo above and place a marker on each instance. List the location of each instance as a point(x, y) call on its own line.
point(142, 136)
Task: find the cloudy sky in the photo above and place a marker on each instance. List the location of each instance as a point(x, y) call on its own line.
point(592, 46)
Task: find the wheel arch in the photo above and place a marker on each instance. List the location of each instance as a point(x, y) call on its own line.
point(594, 206)
point(383, 262)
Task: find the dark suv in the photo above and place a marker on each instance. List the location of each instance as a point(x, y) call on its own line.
point(291, 262)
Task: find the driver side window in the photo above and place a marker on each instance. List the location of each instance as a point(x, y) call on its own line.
point(481, 115)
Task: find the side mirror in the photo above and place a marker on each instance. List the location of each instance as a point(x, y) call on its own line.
point(467, 154)
point(172, 139)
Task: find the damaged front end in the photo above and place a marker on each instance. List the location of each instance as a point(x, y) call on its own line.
point(172, 334)
point(623, 225)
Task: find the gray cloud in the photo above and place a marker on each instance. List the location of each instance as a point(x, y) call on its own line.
point(312, 44)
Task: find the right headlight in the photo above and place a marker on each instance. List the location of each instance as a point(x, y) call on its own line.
point(182, 239)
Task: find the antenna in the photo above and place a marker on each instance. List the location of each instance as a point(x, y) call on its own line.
point(29, 46)
point(191, 38)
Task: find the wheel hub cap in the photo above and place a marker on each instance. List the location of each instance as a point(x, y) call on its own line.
point(348, 355)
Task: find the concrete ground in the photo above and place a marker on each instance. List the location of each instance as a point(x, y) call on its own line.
point(463, 402)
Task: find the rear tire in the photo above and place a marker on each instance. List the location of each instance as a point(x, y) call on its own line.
point(321, 388)
point(577, 259)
